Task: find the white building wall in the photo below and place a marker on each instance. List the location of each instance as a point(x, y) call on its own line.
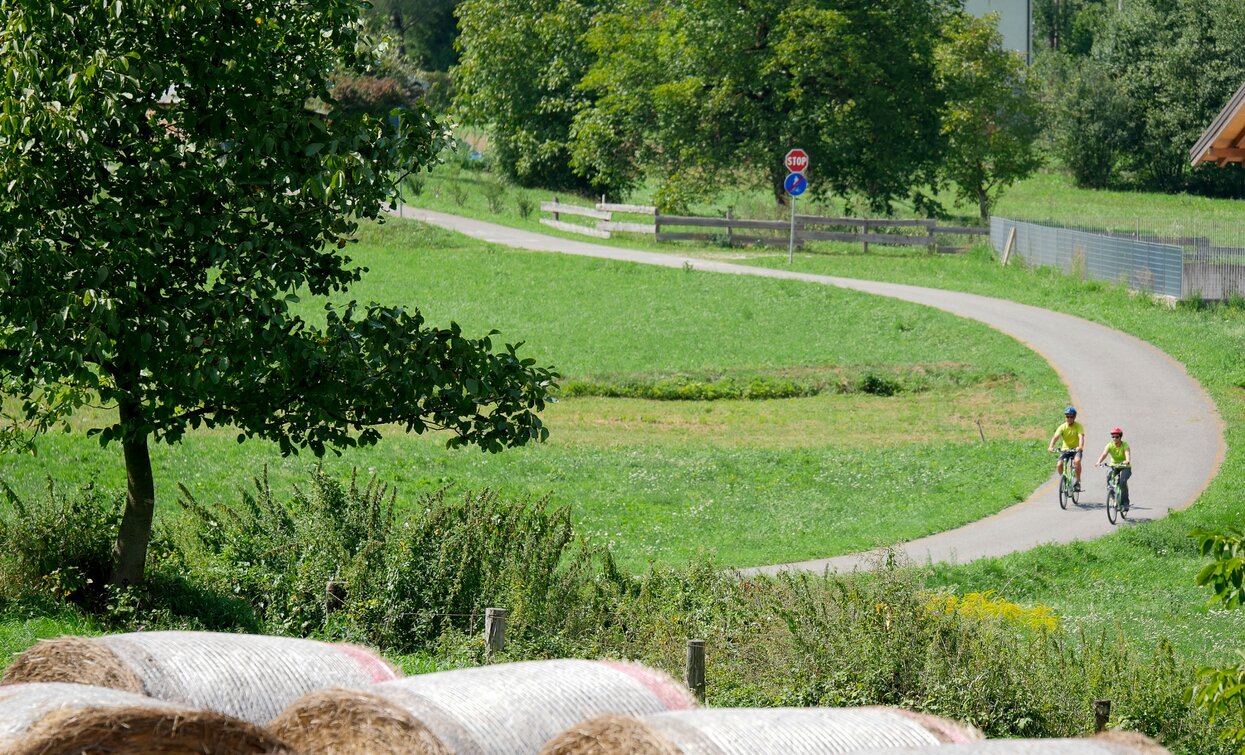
point(1015, 22)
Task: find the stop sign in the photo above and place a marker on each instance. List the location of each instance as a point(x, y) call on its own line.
point(796, 160)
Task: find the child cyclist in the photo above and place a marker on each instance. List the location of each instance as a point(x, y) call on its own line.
point(1122, 459)
point(1072, 436)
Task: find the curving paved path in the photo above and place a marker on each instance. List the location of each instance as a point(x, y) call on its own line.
point(1112, 379)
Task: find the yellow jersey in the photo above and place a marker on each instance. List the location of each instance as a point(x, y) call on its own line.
point(1070, 433)
point(1117, 453)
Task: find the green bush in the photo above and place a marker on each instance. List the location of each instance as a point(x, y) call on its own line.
point(61, 545)
point(335, 560)
point(280, 556)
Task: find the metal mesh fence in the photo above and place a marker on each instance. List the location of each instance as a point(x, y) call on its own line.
point(1181, 260)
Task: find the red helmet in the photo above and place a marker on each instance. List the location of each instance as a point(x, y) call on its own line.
point(1116, 431)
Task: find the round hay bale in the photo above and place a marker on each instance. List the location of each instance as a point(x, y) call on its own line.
point(251, 677)
point(55, 718)
point(75, 660)
point(781, 731)
point(500, 709)
point(355, 722)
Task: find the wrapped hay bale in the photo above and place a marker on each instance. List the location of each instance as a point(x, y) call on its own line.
point(52, 718)
point(501, 709)
point(251, 677)
point(781, 731)
point(1109, 743)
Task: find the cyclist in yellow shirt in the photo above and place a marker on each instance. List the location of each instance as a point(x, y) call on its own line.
point(1122, 459)
point(1072, 436)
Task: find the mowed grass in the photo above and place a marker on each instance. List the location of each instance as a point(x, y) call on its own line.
point(747, 482)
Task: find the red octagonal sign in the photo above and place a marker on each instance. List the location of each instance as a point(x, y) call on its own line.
point(796, 160)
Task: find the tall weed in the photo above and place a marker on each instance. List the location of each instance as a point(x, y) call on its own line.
point(60, 545)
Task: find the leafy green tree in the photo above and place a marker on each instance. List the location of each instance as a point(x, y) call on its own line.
point(425, 30)
point(521, 62)
point(1158, 72)
point(169, 194)
point(1090, 121)
point(1221, 691)
point(992, 118)
point(706, 92)
point(1068, 26)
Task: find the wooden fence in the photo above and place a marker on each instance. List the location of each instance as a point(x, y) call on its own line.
point(865, 231)
point(740, 231)
point(603, 214)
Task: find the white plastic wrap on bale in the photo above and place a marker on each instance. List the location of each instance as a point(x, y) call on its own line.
point(57, 717)
point(758, 731)
point(251, 677)
point(503, 709)
point(1112, 743)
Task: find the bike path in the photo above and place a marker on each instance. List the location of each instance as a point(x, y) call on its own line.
point(1112, 378)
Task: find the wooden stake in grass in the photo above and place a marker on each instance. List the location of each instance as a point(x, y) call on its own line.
point(694, 671)
point(1102, 712)
point(495, 629)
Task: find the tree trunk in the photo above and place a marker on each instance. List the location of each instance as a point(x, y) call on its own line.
point(130, 553)
point(395, 20)
point(776, 178)
point(983, 203)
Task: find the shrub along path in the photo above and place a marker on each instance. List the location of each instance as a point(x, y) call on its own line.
point(1112, 378)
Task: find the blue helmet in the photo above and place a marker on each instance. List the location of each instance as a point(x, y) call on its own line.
point(1070, 410)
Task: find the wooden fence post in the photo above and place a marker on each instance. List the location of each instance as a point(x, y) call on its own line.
point(656, 225)
point(933, 243)
point(694, 671)
point(864, 231)
point(1007, 248)
point(1102, 712)
point(494, 629)
point(730, 236)
point(555, 212)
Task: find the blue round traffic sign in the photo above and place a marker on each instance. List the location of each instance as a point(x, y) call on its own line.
point(795, 184)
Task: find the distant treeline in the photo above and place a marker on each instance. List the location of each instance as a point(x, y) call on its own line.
point(892, 100)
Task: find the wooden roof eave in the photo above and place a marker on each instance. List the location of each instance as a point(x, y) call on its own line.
point(1224, 140)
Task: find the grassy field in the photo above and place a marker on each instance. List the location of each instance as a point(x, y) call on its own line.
point(1141, 580)
point(748, 481)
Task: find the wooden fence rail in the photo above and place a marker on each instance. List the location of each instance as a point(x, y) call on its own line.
point(864, 231)
point(603, 214)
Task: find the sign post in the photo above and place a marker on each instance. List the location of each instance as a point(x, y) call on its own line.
point(795, 184)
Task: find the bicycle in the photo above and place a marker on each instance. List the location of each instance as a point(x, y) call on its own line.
point(1113, 494)
point(1067, 483)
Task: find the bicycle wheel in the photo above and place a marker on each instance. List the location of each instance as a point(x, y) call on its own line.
point(1112, 508)
point(1065, 491)
point(1073, 492)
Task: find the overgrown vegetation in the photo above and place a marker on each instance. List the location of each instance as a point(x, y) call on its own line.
point(335, 560)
